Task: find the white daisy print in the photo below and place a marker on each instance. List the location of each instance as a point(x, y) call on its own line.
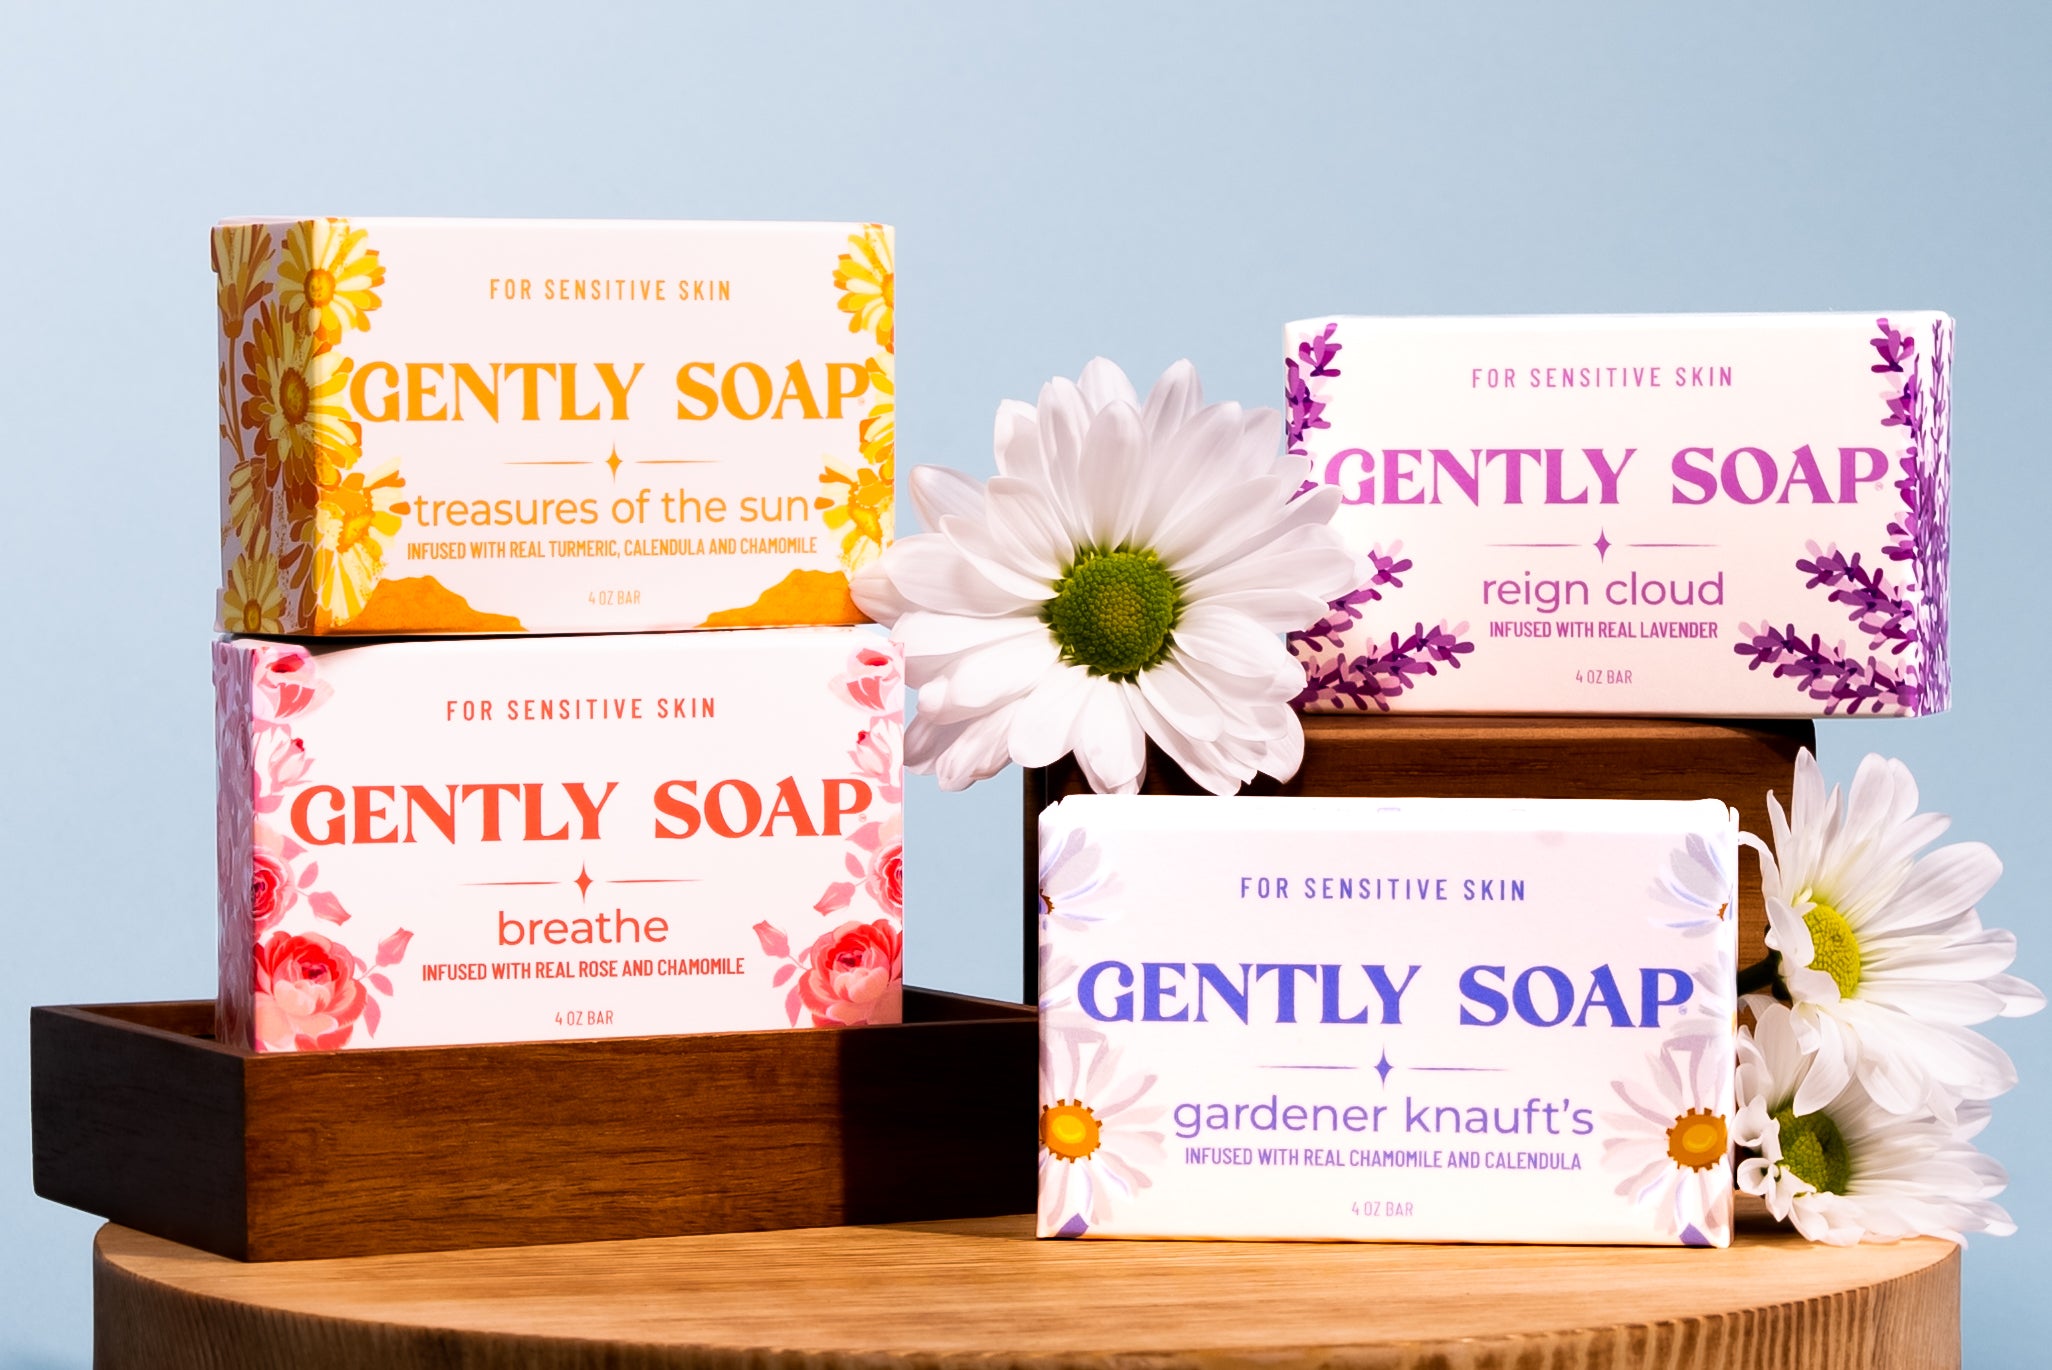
point(1096, 1145)
point(1673, 1146)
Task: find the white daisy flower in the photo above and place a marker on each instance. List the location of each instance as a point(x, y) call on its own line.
point(1842, 1168)
point(1126, 576)
point(1673, 1148)
point(1095, 1142)
point(1881, 951)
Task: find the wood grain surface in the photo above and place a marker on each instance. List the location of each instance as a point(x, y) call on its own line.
point(139, 1116)
point(1488, 756)
point(982, 1294)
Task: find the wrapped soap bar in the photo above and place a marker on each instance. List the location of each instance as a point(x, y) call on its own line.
point(499, 839)
point(1387, 1020)
point(497, 426)
point(1729, 515)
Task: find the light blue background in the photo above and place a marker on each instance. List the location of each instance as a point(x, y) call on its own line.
point(1147, 182)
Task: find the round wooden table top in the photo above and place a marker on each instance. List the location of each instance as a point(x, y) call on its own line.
point(983, 1293)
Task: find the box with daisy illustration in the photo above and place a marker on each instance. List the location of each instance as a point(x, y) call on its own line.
point(1388, 1020)
point(448, 426)
point(1717, 515)
point(505, 839)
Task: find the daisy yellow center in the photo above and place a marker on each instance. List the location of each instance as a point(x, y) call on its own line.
point(293, 396)
point(320, 287)
point(1835, 948)
point(1069, 1130)
point(252, 616)
point(1698, 1140)
point(1113, 612)
point(1813, 1149)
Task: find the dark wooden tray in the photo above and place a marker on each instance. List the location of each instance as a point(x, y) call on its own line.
point(141, 1117)
point(1403, 756)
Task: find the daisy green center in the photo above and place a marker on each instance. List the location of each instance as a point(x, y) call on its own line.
point(1113, 612)
point(1813, 1149)
point(1835, 948)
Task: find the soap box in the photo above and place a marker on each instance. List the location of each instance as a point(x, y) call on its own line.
point(450, 426)
point(503, 839)
point(1389, 1020)
point(1726, 515)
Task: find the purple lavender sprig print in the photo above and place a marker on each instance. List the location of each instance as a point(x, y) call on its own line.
point(1305, 399)
point(1339, 677)
point(1895, 615)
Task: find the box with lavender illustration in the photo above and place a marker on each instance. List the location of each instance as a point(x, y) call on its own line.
point(506, 839)
point(1389, 1020)
point(1730, 515)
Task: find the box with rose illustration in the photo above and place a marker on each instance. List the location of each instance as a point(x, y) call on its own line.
point(503, 839)
point(501, 426)
point(1740, 515)
point(1434, 1020)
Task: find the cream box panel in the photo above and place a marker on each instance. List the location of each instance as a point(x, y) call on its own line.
point(501, 839)
point(500, 426)
point(1388, 1020)
point(1724, 515)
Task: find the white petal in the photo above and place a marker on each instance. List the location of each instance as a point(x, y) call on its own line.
point(1181, 702)
point(1309, 558)
point(1193, 540)
point(1278, 610)
point(1203, 762)
point(977, 752)
point(1016, 443)
point(876, 594)
point(998, 559)
point(1172, 401)
point(1103, 384)
point(1002, 671)
point(930, 572)
point(1113, 477)
point(1043, 726)
point(1940, 885)
point(928, 635)
point(938, 491)
point(1230, 641)
point(1021, 514)
point(1111, 747)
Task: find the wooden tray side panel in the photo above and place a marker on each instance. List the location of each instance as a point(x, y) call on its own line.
point(139, 1122)
point(353, 1153)
point(1428, 756)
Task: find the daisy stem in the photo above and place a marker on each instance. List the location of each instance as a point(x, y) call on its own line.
point(1763, 974)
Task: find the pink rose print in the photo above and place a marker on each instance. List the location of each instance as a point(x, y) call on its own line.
point(879, 757)
point(311, 992)
point(877, 861)
point(856, 975)
point(287, 683)
point(281, 763)
point(307, 995)
point(885, 880)
point(874, 683)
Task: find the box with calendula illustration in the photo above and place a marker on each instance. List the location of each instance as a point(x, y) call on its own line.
point(450, 426)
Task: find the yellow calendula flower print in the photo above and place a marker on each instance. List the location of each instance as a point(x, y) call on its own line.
point(357, 516)
point(867, 281)
point(879, 431)
point(294, 412)
point(249, 500)
point(240, 252)
point(253, 602)
point(858, 506)
point(328, 280)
